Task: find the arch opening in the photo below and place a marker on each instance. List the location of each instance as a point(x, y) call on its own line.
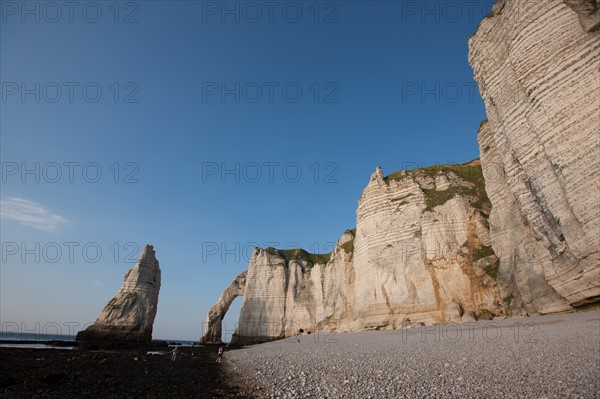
point(214, 318)
point(231, 319)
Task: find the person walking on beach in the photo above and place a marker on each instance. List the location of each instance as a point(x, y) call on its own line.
point(220, 355)
point(174, 353)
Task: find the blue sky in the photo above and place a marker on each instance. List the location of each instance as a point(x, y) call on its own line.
point(204, 128)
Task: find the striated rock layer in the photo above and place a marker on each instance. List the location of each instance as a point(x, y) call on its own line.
point(422, 248)
point(420, 254)
point(129, 316)
point(537, 64)
point(429, 246)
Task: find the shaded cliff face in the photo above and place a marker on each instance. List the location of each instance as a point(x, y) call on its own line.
point(537, 64)
point(420, 254)
point(129, 316)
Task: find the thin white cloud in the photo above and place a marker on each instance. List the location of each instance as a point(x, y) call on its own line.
point(30, 214)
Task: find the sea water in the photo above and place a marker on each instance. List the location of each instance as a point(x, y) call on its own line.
point(43, 339)
point(24, 336)
point(30, 340)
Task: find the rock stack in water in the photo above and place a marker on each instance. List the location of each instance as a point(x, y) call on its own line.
point(129, 316)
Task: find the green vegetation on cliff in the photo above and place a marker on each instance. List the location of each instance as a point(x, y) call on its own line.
point(508, 300)
point(348, 246)
point(435, 197)
point(492, 270)
point(470, 172)
point(295, 254)
point(482, 252)
point(311, 259)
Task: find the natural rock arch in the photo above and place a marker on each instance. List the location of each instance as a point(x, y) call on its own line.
point(215, 315)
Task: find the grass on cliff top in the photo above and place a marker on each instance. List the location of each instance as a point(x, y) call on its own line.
point(312, 259)
point(470, 172)
point(349, 246)
point(295, 254)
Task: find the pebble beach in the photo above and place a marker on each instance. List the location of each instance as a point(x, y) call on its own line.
point(555, 356)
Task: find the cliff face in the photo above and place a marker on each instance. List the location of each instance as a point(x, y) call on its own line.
point(422, 248)
point(129, 316)
point(537, 64)
point(420, 254)
point(429, 245)
point(291, 290)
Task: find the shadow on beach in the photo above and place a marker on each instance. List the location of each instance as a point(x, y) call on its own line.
point(122, 373)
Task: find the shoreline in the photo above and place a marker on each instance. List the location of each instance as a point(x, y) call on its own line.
point(551, 356)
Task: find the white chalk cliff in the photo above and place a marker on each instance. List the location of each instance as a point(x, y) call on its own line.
point(420, 253)
point(537, 64)
point(517, 234)
point(129, 316)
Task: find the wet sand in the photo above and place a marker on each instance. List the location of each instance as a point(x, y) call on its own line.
point(82, 373)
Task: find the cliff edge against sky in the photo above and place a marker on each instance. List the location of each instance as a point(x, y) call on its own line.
point(515, 234)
